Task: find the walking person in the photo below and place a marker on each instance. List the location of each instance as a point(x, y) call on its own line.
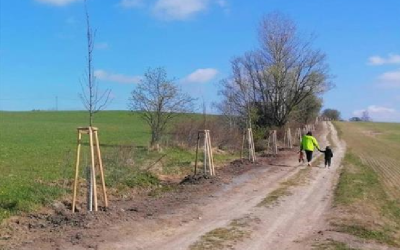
point(328, 156)
point(308, 144)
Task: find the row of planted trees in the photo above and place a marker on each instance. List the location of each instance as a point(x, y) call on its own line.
point(279, 83)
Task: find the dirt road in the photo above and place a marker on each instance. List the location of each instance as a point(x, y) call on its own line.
point(235, 210)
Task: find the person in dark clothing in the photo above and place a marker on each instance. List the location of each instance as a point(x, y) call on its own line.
point(328, 156)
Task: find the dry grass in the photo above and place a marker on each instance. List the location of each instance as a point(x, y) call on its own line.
point(333, 245)
point(381, 151)
point(223, 237)
point(284, 189)
point(367, 196)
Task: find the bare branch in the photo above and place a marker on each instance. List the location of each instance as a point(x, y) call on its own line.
point(159, 100)
point(91, 99)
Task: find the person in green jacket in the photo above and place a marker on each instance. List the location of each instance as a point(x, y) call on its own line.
point(308, 144)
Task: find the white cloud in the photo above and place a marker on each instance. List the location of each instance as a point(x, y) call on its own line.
point(128, 4)
point(118, 78)
point(57, 2)
point(390, 79)
point(179, 9)
point(379, 113)
point(100, 46)
point(174, 9)
point(378, 60)
point(201, 76)
point(222, 3)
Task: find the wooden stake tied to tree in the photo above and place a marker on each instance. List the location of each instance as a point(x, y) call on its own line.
point(249, 139)
point(96, 162)
point(299, 134)
point(93, 101)
point(272, 145)
point(287, 139)
point(208, 158)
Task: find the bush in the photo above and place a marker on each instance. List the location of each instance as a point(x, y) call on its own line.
point(184, 133)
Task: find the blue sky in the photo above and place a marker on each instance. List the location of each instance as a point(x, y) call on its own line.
point(42, 48)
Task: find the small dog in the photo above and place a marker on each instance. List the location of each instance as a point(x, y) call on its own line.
point(301, 156)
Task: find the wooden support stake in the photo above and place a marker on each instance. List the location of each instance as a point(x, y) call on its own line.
point(100, 162)
point(205, 153)
point(208, 159)
point(252, 152)
point(93, 169)
point(78, 151)
point(275, 140)
point(288, 138)
point(272, 142)
point(95, 156)
point(243, 139)
point(248, 136)
point(197, 152)
point(211, 157)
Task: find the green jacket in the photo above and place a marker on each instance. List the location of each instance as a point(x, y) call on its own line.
point(308, 142)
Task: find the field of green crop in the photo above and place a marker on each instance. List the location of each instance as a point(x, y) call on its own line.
point(36, 150)
point(368, 193)
point(37, 154)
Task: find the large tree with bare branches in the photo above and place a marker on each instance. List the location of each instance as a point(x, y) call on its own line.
point(92, 98)
point(159, 100)
point(273, 80)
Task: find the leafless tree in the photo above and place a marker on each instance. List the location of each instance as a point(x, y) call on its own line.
point(160, 100)
point(92, 99)
point(365, 116)
point(274, 79)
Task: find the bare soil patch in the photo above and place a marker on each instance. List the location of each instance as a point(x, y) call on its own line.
point(55, 227)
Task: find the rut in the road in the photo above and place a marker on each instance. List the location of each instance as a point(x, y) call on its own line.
point(235, 211)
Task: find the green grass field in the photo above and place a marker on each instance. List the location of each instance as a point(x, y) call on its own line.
point(37, 154)
point(367, 197)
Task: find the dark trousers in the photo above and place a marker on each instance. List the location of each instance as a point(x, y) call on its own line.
point(328, 162)
point(309, 155)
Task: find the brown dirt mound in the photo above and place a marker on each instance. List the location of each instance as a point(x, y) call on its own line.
point(198, 179)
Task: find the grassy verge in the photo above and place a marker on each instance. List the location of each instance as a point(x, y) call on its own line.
point(284, 188)
point(367, 197)
point(366, 209)
point(338, 129)
point(333, 245)
point(37, 156)
point(223, 237)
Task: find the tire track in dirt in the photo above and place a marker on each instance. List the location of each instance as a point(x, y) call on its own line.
point(179, 231)
point(236, 201)
point(290, 224)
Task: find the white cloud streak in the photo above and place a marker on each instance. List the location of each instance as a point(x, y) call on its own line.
point(179, 9)
point(57, 2)
point(130, 4)
point(174, 10)
point(390, 79)
point(201, 76)
point(103, 75)
point(379, 113)
point(378, 60)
